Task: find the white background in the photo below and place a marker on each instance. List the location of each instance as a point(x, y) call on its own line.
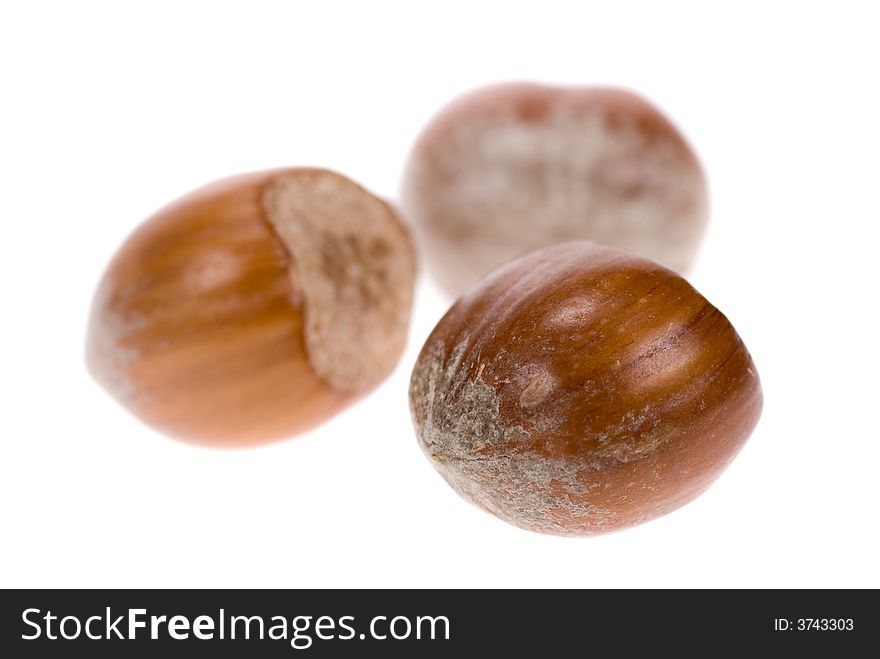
point(110, 110)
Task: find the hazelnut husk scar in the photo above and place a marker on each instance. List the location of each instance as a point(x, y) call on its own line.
point(254, 308)
point(581, 390)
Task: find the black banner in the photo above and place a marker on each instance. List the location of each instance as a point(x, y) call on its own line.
point(407, 623)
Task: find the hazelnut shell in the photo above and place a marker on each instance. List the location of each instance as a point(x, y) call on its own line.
point(581, 390)
point(511, 168)
point(254, 308)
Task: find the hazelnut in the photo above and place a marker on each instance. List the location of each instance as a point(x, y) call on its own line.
point(254, 308)
point(581, 390)
point(512, 168)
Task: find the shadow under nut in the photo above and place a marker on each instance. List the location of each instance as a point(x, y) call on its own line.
point(254, 308)
point(512, 168)
point(581, 390)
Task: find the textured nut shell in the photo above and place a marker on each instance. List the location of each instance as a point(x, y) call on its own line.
point(198, 325)
point(581, 390)
point(512, 168)
point(353, 264)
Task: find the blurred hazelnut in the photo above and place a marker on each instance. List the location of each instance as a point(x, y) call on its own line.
point(511, 168)
point(254, 308)
point(581, 390)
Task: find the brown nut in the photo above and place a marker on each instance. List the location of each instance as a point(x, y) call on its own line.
point(581, 390)
point(512, 168)
point(254, 308)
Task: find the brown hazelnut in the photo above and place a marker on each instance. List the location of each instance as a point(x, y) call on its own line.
point(581, 390)
point(512, 168)
point(254, 308)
